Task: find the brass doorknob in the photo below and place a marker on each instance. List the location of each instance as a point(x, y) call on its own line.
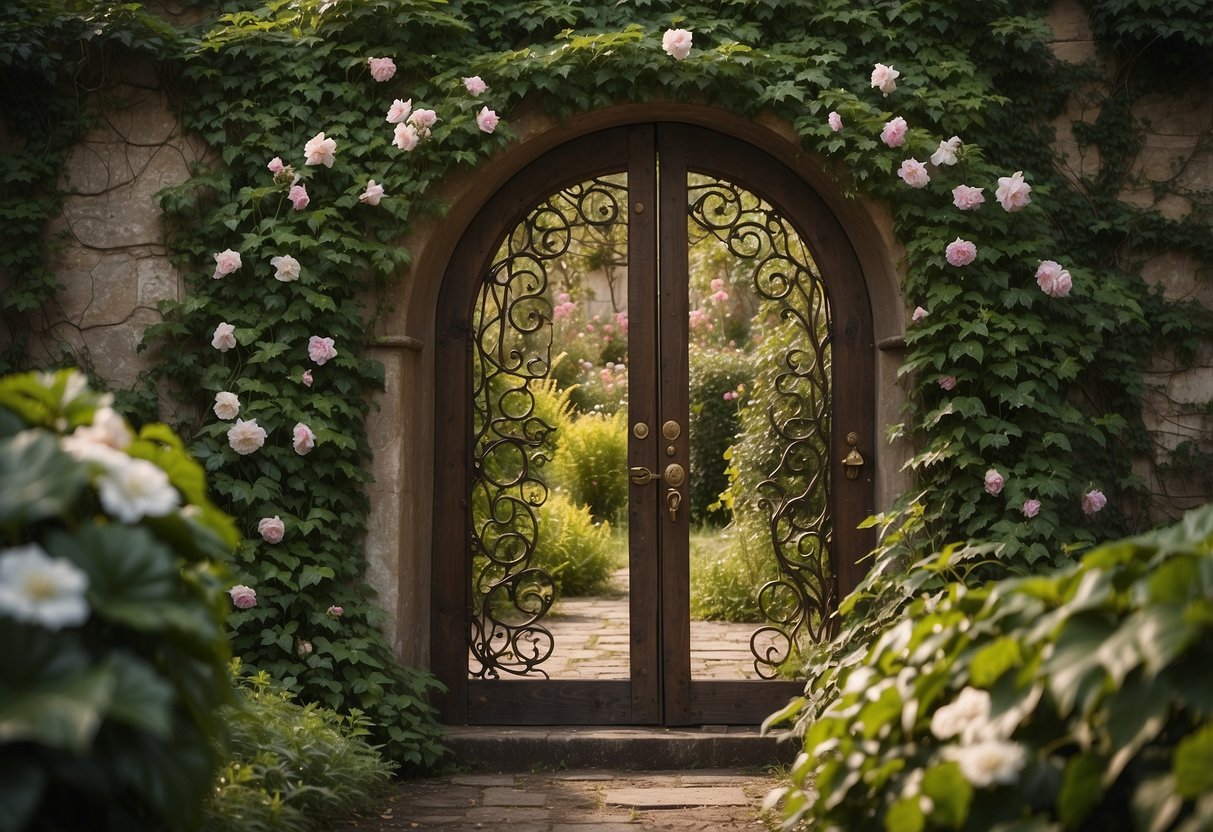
point(853, 461)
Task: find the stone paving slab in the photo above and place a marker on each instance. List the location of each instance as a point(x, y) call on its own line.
point(680, 797)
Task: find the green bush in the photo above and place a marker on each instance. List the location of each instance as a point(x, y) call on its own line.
point(111, 615)
point(592, 463)
point(1075, 700)
point(290, 766)
point(578, 552)
point(714, 423)
point(729, 567)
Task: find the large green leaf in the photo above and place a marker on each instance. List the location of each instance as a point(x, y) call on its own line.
point(37, 480)
point(63, 712)
point(21, 787)
point(142, 697)
point(1193, 764)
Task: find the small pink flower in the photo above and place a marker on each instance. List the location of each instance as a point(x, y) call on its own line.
point(914, 173)
point(275, 165)
point(946, 154)
point(245, 437)
point(423, 120)
point(320, 349)
point(894, 132)
point(835, 121)
point(407, 137)
point(1013, 192)
point(966, 198)
point(320, 151)
point(474, 85)
point(1093, 501)
point(885, 78)
point(1031, 508)
point(676, 43)
point(224, 338)
point(382, 69)
point(372, 194)
point(307, 378)
point(399, 111)
point(720, 297)
point(243, 596)
point(487, 120)
point(994, 482)
point(948, 382)
point(335, 611)
point(960, 252)
point(303, 648)
point(302, 439)
point(286, 268)
point(298, 197)
point(227, 405)
point(226, 262)
point(919, 314)
point(1053, 280)
point(271, 529)
point(729, 395)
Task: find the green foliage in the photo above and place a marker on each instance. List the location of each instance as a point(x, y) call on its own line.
point(289, 766)
point(1079, 699)
point(714, 423)
point(115, 659)
point(578, 552)
point(729, 567)
point(591, 463)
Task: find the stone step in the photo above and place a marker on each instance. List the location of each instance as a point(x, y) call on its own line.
point(553, 748)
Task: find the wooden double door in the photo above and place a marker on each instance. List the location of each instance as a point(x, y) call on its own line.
point(645, 215)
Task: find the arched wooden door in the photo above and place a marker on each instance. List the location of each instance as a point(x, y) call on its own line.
point(653, 186)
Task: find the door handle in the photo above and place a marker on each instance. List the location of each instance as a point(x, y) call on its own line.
point(642, 475)
point(673, 499)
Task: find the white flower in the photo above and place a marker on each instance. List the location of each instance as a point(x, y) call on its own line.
point(677, 43)
point(227, 405)
point(885, 78)
point(965, 717)
point(135, 489)
point(108, 429)
point(946, 154)
point(224, 338)
point(372, 194)
point(38, 589)
point(407, 136)
point(399, 111)
point(988, 762)
point(286, 268)
point(245, 437)
point(319, 151)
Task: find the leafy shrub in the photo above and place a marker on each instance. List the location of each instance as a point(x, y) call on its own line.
point(111, 615)
point(728, 569)
point(714, 375)
point(592, 463)
point(579, 553)
point(1076, 700)
point(291, 766)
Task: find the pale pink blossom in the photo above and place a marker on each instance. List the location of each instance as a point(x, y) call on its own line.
point(320, 151)
point(303, 648)
point(988, 762)
point(302, 438)
point(717, 284)
point(835, 121)
point(307, 378)
point(1093, 501)
point(676, 43)
point(245, 437)
point(224, 338)
point(919, 314)
point(335, 611)
point(298, 197)
point(475, 85)
point(885, 78)
point(1031, 508)
point(382, 69)
point(914, 173)
point(423, 120)
point(1053, 280)
point(487, 120)
point(894, 132)
point(243, 596)
point(994, 482)
point(399, 111)
point(226, 262)
point(271, 529)
point(227, 405)
point(966, 717)
point(286, 268)
point(946, 154)
point(372, 194)
point(407, 137)
point(966, 198)
point(720, 297)
point(320, 349)
point(275, 165)
point(1013, 192)
point(948, 382)
point(960, 252)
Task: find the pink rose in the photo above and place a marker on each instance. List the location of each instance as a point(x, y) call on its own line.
point(307, 378)
point(1053, 280)
point(914, 173)
point(399, 111)
point(423, 120)
point(885, 78)
point(224, 338)
point(303, 439)
point(407, 136)
point(946, 154)
point(303, 648)
point(243, 596)
point(320, 151)
point(948, 382)
point(1013, 192)
point(226, 262)
point(245, 437)
point(894, 132)
point(1093, 501)
point(382, 69)
point(676, 43)
point(286, 268)
point(275, 165)
point(717, 284)
point(298, 197)
point(919, 314)
point(1031, 508)
point(271, 529)
point(960, 252)
point(320, 349)
point(372, 194)
point(474, 85)
point(966, 198)
point(487, 120)
point(227, 405)
point(335, 611)
point(994, 482)
point(720, 297)
point(835, 121)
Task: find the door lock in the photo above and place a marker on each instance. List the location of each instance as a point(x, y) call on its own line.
point(642, 476)
point(673, 499)
point(675, 475)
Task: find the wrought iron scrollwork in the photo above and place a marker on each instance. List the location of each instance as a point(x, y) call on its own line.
point(796, 493)
point(511, 348)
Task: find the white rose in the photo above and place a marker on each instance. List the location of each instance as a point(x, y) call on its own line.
point(227, 405)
